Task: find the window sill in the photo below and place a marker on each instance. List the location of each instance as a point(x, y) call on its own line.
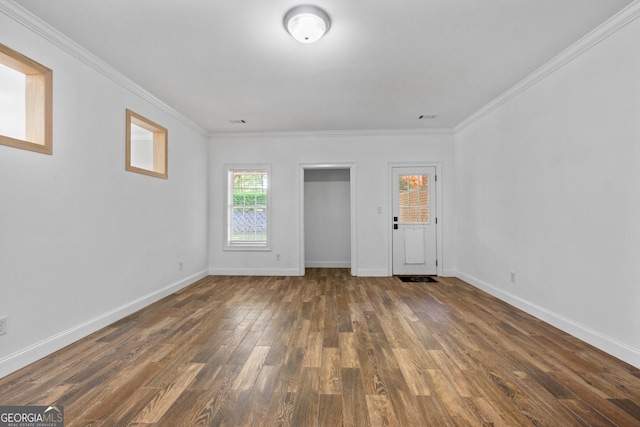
point(246, 248)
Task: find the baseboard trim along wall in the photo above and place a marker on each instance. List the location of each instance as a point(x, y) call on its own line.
point(28, 355)
point(328, 264)
point(254, 272)
point(609, 345)
point(367, 272)
point(287, 272)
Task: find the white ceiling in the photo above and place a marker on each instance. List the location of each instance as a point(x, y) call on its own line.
point(382, 64)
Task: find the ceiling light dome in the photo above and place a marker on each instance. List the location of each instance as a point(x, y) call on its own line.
point(307, 23)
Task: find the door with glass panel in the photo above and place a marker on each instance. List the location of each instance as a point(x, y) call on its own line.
point(414, 220)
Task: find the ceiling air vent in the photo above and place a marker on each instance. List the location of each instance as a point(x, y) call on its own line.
point(427, 116)
point(237, 122)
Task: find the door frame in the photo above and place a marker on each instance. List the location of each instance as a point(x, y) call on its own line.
point(439, 216)
point(352, 197)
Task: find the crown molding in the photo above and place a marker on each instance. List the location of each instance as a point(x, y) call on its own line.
point(602, 32)
point(46, 31)
point(330, 133)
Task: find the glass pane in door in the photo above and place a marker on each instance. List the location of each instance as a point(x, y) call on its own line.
point(413, 199)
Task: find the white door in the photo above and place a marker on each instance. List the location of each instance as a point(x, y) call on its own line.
point(414, 220)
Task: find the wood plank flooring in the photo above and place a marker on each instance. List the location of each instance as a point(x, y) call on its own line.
point(329, 349)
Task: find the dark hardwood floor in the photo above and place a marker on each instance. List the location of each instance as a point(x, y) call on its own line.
point(329, 349)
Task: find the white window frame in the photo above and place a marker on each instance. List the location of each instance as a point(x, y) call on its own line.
point(229, 170)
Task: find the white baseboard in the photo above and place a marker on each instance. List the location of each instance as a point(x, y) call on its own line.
point(283, 272)
point(370, 272)
point(34, 352)
point(254, 272)
point(607, 344)
point(328, 264)
point(449, 273)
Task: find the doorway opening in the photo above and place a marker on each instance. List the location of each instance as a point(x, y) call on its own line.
point(327, 217)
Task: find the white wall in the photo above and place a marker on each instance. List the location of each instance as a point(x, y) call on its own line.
point(327, 218)
point(82, 241)
point(548, 186)
point(371, 153)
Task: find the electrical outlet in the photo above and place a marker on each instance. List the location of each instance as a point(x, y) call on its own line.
point(180, 265)
point(513, 277)
point(277, 257)
point(3, 325)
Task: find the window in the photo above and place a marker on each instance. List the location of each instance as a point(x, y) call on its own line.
point(25, 102)
point(247, 208)
point(146, 146)
point(414, 199)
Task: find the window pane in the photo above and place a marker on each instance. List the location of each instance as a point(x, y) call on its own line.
point(404, 215)
point(404, 198)
point(12, 103)
point(423, 183)
point(413, 215)
point(413, 199)
point(415, 183)
point(249, 198)
point(403, 183)
point(141, 147)
point(424, 215)
point(261, 225)
point(248, 218)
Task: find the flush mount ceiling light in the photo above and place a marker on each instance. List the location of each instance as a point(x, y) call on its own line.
point(307, 23)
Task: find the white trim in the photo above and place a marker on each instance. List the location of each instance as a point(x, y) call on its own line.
point(245, 248)
point(609, 27)
point(47, 32)
point(254, 272)
point(371, 272)
point(330, 133)
point(439, 214)
point(607, 344)
point(353, 209)
point(328, 264)
point(32, 353)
